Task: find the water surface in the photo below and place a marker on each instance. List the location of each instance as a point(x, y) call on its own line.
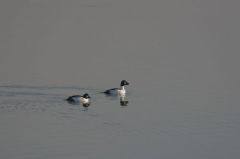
point(180, 57)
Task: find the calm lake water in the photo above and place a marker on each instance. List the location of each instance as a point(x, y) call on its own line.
point(180, 57)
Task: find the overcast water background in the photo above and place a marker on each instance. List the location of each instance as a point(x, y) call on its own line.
point(180, 57)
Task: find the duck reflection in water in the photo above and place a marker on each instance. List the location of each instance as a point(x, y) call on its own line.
point(123, 101)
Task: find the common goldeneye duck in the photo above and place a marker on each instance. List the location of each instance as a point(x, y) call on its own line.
point(85, 99)
point(117, 91)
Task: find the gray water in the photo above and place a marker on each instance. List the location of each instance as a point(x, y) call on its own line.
point(180, 57)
